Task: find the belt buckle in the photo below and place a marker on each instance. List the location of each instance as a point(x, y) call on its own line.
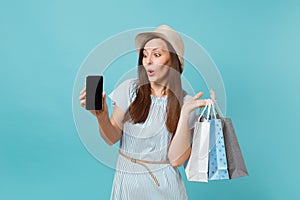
point(133, 160)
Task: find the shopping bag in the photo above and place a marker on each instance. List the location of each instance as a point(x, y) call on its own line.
point(217, 168)
point(196, 168)
point(235, 160)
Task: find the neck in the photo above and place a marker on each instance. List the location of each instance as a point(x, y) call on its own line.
point(158, 90)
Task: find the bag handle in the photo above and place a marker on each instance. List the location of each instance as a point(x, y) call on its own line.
point(213, 108)
point(202, 112)
point(219, 111)
point(207, 103)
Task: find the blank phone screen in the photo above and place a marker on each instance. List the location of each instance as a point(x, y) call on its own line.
point(94, 89)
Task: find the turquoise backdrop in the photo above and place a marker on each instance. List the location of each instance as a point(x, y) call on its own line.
point(255, 45)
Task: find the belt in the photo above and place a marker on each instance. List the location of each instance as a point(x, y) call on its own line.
point(142, 162)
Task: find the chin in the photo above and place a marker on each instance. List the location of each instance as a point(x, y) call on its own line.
point(152, 79)
point(155, 80)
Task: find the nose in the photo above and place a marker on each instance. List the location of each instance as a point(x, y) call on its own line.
point(148, 60)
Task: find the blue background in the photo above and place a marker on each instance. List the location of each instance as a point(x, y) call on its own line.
point(255, 45)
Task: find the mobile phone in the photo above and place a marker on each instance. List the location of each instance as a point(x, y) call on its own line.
point(94, 89)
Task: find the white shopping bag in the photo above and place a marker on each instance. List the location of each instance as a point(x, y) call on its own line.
point(197, 165)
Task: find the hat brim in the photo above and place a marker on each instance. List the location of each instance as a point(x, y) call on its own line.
point(142, 38)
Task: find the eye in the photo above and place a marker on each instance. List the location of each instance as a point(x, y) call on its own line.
point(144, 55)
point(157, 54)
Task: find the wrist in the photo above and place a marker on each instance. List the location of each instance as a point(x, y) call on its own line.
point(184, 113)
point(102, 117)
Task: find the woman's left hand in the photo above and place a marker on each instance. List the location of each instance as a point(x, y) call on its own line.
point(193, 103)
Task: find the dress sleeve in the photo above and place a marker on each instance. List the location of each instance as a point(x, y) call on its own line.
point(123, 94)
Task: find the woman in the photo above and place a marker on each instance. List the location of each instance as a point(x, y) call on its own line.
point(153, 119)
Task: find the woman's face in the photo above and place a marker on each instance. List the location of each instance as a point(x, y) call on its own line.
point(156, 60)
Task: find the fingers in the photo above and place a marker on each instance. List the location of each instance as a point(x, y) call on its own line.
point(197, 96)
point(104, 96)
point(213, 95)
point(82, 91)
point(103, 100)
point(201, 102)
point(82, 97)
point(82, 94)
point(83, 103)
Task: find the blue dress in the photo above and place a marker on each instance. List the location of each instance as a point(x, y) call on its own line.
point(145, 141)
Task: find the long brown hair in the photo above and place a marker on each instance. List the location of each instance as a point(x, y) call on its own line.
point(139, 109)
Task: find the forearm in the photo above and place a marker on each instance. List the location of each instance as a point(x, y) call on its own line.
point(180, 147)
point(108, 132)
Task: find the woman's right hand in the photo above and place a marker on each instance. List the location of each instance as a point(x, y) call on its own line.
point(96, 113)
point(193, 103)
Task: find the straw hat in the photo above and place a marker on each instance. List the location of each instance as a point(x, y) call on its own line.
point(164, 32)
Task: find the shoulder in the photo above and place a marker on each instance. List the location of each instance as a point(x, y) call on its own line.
point(133, 83)
point(129, 82)
point(123, 93)
point(128, 85)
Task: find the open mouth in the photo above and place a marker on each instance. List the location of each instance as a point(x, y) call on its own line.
point(150, 72)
